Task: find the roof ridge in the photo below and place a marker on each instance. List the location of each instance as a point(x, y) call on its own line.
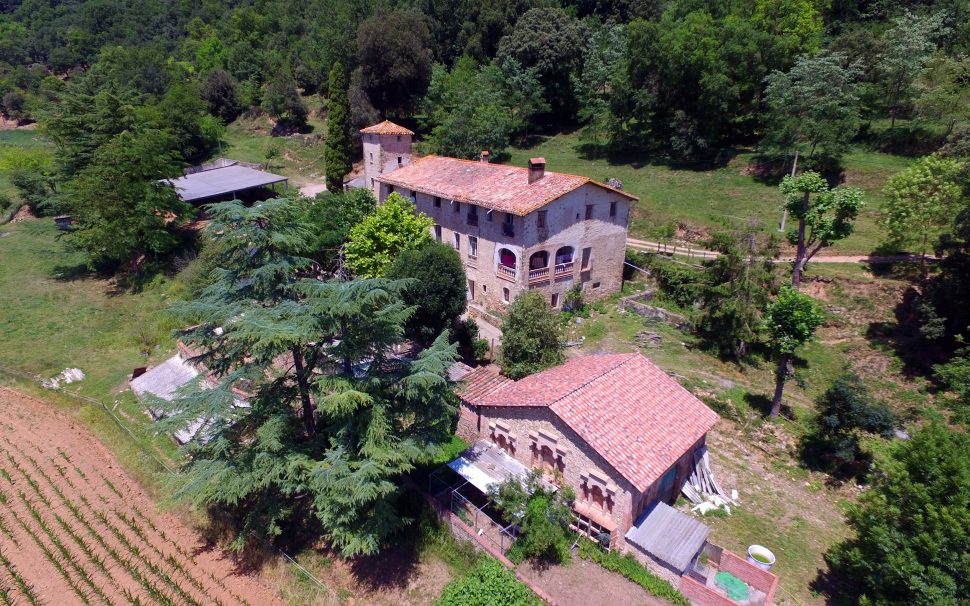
point(626, 358)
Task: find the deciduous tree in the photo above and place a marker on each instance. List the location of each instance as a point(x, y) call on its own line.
point(790, 321)
point(820, 221)
point(375, 242)
point(531, 337)
point(923, 199)
point(907, 47)
point(394, 54)
point(438, 290)
point(552, 41)
point(330, 218)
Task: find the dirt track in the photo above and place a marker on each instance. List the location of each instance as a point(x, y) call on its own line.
point(74, 529)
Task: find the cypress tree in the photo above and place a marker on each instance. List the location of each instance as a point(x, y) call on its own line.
point(338, 148)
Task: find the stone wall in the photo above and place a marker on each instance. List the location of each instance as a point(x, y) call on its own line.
point(566, 225)
point(637, 304)
point(579, 459)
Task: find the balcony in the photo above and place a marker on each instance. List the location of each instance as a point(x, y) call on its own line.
point(505, 272)
point(538, 275)
point(563, 269)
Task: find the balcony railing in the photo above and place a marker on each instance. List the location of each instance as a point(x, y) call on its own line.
point(564, 268)
point(504, 271)
point(538, 275)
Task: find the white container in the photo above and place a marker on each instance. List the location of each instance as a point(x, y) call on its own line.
point(761, 556)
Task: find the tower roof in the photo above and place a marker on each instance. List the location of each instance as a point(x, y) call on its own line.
point(386, 128)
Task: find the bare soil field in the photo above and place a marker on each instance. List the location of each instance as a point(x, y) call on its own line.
point(75, 529)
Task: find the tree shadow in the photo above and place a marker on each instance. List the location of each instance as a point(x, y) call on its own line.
point(758, 402)
point(903, 339)
point(833, 586)
point(71, 272)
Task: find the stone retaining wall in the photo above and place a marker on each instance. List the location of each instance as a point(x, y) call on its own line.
point(636, 304)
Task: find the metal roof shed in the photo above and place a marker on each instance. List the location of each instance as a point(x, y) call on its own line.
point(670, 537)
point(220, 181)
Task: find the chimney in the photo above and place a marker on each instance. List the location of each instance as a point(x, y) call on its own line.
point(537, 169)
point(484, 157)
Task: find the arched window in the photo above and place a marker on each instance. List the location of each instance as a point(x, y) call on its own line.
point(565, 255)
point(547, 458)
point(506, 257)
point(539, 260)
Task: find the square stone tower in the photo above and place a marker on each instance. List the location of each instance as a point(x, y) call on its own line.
point(387, 147)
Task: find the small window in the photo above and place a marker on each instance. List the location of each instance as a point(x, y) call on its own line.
point(489, 216)
point(437, 233)
point(399, 138)
point(390, 189)
point(589, 212)
point(399, 160)
point(509, 218)
point(554, 301)
point(437, 202)
point(596, 285)
point(471, 290)
point(484, 288)
point(457, 241)
point(457, 206)
point(587, 254)
point(505, 295)
point(371, 156)
point(612, 210)
point(372, 181)
point(541, 221)
point(473, 247)
point(414, 197)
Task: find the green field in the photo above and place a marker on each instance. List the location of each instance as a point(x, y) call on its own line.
point(23, 139)
point(712, 198)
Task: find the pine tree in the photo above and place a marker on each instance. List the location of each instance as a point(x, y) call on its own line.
point(337, 150)
point(331, 420)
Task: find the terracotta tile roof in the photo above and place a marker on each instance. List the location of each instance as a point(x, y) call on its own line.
point(386, 128)
point(496, 186)
point(628, 410)
point(480, 382)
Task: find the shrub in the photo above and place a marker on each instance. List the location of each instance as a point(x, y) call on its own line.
point(489, 584)
point(532, 337)
point(543, 515)
point(677, 284)
point(628, 566)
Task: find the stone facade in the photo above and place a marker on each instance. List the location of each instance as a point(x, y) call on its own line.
point(538, 438)
point(383, 154)
point(547, 250)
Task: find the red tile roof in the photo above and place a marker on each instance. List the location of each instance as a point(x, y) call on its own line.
point(496, 186)
point(628, 410)
point(480, 382)
point(386, 128)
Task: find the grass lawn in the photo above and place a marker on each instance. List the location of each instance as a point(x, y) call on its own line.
point(22, 139)
point(796, 512)
point(55, 317)
point(713, 198)
point(299, 157)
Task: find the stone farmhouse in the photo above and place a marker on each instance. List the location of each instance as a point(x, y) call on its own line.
point(615, 428)
point(516, 228)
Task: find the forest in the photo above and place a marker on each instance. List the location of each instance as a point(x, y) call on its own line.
point(122, 94)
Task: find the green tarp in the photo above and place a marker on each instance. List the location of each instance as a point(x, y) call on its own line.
point(736, 589)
